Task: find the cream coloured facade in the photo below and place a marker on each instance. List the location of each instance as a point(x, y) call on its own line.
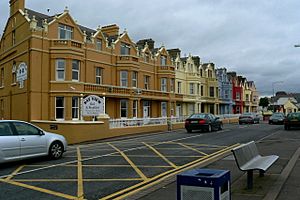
point(198, 83)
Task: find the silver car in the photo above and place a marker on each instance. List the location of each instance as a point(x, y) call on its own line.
point(21, 140)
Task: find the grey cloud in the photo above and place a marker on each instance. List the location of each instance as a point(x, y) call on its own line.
point(254, 38)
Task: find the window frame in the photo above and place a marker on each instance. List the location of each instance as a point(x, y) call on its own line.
point(67, 30)
point(75, 108)
point(163, 84)
point(164, 109)
point(99, 44)
point(146, 82)
point(124, 80)
point(163, 60)
point(98, 76)
point(191, 87)
point(125, 49)
point(211, 91)
point(58, 69)
point(76, 71)
point(134, 79)
point(125, 109)
point(179, 87)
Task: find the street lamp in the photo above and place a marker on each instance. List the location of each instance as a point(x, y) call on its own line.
point(273, 84)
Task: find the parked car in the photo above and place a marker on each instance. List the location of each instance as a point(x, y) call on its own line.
point(292, 120)
point(21, 140)
point(203, 121)
point(249, 118)
point(277, 118)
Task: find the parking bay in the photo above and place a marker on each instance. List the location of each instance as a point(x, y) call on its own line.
point(100, 170)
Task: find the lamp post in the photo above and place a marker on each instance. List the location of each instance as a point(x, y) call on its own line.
point(273, 84)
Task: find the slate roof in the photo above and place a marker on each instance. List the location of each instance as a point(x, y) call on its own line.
point(40, 17)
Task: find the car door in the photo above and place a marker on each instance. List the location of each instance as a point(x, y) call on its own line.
point(32, 142)
point(9, 142)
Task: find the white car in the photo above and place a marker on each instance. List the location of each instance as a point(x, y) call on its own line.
point(21, 140)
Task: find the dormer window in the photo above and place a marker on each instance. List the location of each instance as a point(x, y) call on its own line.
point(125, 49)
point(65, 32)
point(163, 60)
point(147, 57)
point(99, 45)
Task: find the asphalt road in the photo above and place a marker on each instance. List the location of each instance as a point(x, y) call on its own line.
point(110, 169)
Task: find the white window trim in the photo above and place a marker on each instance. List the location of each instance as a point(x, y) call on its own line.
point(73, 107)
point(99, 76)
point(57, 69)
point(76, 70)
point(125, 79)
point(163, 84)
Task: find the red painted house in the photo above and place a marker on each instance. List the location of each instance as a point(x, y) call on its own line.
point(237, 92)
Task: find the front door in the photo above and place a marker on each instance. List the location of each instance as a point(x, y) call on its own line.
point(32, 142)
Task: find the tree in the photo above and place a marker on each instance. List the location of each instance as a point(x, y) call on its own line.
point(264, 102)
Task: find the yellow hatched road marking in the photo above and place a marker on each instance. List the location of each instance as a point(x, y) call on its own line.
point(15, 172)
point(75, 180)
point(205, 145)
point(130, 162)
point(160, 155)
point(155, 156)
point(193, 149)
point(157, 179)
point(79, 175)
point(66, 196)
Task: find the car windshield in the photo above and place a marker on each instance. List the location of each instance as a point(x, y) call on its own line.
point(247, 114)
point(198, 116)
point(277, 115)
point(294, 115)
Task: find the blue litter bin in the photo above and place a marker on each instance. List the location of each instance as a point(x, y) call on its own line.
point(204, 184)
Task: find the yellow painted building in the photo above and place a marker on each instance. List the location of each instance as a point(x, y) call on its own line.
point(63, 62)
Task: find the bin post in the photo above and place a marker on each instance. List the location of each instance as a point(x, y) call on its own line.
point(205, 184)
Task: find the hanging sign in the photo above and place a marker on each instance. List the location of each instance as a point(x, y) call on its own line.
point(92, 106)
point(21, 74)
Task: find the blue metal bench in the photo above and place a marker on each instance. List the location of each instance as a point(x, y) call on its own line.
point(248, 159)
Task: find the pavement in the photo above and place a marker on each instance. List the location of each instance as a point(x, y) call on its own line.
point(281, 181)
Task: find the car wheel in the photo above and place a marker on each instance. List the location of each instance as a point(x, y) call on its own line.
point(221, 127)
point(56, 150)
point(209, 129)
point(189, 130)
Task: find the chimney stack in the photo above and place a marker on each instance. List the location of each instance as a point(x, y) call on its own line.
point(16, 5)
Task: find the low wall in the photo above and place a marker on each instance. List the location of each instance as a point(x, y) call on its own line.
point(77, 132)
point(83, 131)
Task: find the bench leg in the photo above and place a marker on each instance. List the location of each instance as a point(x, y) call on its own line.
point(261, 173)
point(249, 179)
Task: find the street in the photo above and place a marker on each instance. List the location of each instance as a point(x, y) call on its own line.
point(113, 168)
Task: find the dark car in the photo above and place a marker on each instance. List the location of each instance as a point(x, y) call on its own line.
point(203, 121)
point(277, 118)
point(248, 118)
point(292, 120)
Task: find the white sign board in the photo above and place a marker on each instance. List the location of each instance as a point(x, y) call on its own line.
point(22, 74)
point(92, 106)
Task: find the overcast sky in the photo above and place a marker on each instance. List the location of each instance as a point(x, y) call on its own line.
point(255, 38)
